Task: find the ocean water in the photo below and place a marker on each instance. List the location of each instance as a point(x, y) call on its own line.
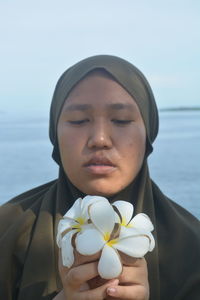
point(25, 157)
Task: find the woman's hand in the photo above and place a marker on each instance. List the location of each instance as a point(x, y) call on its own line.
point(76, 281)
point(83, 282)
point(133, 283)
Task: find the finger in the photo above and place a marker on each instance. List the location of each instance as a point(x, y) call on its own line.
point(96, 282)
point(134, 292)
point(98, 293)
point(130, 261)
point(76, 276)
point(80, 259)
point(62, 269)
point(137, 274)
point(127, 260)
point(84, 287)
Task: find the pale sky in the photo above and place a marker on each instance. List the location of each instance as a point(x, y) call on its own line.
point(40, 39)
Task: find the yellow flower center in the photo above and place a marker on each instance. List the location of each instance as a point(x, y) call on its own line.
point(124, 223)
point(77, 227)
point(80, 220)
point(112, 242)
point(108, 241)
point(106, 236)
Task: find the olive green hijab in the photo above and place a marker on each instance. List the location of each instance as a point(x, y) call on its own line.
point(127, 75)
point(28, 223)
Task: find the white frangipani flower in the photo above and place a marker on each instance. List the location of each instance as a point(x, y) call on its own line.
point(141, 222)
point(74, 221)
point(103, 237)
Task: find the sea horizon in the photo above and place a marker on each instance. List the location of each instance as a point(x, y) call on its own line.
point(25, 146)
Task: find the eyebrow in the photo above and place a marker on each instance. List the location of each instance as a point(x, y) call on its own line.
point(112, 106)
point(119, 106)
point(80, 107)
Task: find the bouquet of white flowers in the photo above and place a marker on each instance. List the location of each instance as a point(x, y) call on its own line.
point(94, 225)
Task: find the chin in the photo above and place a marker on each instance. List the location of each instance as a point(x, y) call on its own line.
point(105, 187)
point(101, 193)
point(100, 190)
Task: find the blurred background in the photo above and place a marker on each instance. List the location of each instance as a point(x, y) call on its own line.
point(41, 39)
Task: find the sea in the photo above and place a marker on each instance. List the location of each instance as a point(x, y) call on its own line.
point(25, 157)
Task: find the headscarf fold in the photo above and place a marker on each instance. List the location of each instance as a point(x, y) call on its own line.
point(28, 223)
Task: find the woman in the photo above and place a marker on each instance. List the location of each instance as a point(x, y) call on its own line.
point(103, 122)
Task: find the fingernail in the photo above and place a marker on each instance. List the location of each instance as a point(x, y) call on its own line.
point(111, 290)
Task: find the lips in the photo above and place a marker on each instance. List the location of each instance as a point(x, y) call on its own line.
point(99, 161)
point(99, 166)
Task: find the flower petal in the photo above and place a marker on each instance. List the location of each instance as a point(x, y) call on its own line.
point(88, 200)
point(142, 221)
point(67, 250)
point(117, 218)
point(135, 246)
point(130, 232)
point(109, 265)
point(152, 242)
point(75, 210)
point(102, 216)
point(127, 232)
point(125, 209)
point(63, 225)
point(89, 241)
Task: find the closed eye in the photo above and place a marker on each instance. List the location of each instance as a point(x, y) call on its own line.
point(121, 122)
point(78, 122)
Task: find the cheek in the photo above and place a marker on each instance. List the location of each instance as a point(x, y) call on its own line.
point(68, 140)
point(71, 147)
point(133, 143)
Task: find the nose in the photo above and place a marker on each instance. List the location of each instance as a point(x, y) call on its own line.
point(100, 136)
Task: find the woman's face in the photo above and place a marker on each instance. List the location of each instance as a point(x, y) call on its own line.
point(101, 136)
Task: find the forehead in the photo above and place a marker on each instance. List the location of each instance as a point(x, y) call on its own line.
point(99, 88)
